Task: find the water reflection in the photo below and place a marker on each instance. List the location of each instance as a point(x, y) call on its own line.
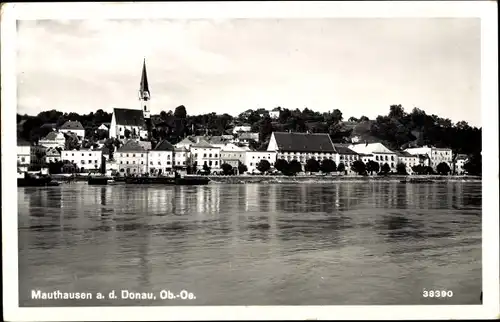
point(248, 239)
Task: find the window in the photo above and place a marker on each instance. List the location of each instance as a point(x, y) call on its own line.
point(121, 155)
point(142, 155)
point(121, 129)
point(215, 162)
point(90, 154)
point(168, 156)
point(184, 162)
point(142, 162)
point(83, 161)
point(168, 162)
point(82, 154)
point(204, 155)
point(216, 155)
point(151, 162)
point(210, 155)
point(204, 162)
point(121, 162)
point(133, 162)
point(209, 162)
point(133, 155)
point(127, 155)
point(159, 163)
point(251, 164)
point(134, 170)
point(127, 162)
point(196, 155)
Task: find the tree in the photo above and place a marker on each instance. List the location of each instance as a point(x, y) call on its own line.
point(418, 169)
point(385, 169)
point(294, 167)
point(242, 168)
point(401, 168)
point(359, 167)
point(281, 165)
point(341, 167)
point(71, 142)
point(206, 168)
point(127, 133)
point(363, 119)
point(328, 166)
point(263, 166)
point(443, 168)
point(474, 165)
point(227, 169)
point(180, 112)
point(372, 166)
point(312, 165)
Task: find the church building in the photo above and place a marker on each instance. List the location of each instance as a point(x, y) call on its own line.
point(133, 123)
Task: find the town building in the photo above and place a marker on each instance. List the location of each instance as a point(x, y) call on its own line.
point(182, 158)
point(203, 153)
point(460, 162)
point(53, 140)
point(275, 113)
point(246, 137)
point(133, 123)
point(379, 153)
point(409, 160)
point(161, 158)
point(85, 160)
point(435, 155)
point(346, 156)
point(131, 158)
point(75, 127)
point(252, 159)
point(302, 146)
point(242, 128)
point(53, 154)
point(37, 155)
point(103, 127)
point(23, 155)
point(185, 143)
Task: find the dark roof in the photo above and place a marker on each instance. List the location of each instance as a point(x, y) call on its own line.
point(51, 136)
point(164, 145)
point(304, 142)
point(343, 149)
point(129, 117)
point(49, 125)
point(72, 125)
point(22, 142)
point(131, 146)
point(144, 79)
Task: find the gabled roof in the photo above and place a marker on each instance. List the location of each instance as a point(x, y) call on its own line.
point(52, 152)
point(131, 146)
point(181, 149)
point(51, 136)
point(202, 144)
point(164, 145)
point(129, 117)
point(344, 149)
point(48, 125)
point(304, 142)
point(185, 141)
point(217, 140)
point(72, 125)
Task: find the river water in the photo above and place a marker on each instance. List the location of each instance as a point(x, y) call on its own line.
point(370, 243)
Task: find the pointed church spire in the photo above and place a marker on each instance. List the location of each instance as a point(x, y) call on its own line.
point(144, 89)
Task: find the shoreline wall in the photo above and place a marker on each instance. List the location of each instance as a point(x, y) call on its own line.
point(320, 179)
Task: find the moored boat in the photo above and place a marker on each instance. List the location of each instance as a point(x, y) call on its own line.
point(98, 180)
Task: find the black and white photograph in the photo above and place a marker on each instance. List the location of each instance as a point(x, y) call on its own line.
point(280, 156)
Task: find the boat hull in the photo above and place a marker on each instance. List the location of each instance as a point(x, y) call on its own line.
point(191, 181)
point(36, 182)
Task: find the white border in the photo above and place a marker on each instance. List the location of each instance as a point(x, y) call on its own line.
point(486, 10)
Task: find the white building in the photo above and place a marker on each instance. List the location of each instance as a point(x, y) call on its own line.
point(53, 140)
point(302, 146)
point(379, 153)
point(133, 123)
point(346, 156)
point(246, 137)
point(184, 143)
point(274, 114)
point(161, 158)
point(74, 127)
point(242, 128)
point(203, 153)
point(132, 158)
point(84, 159)
point(181, 156)
point(435, 155)
point(23, 155)
point(409, 160)
point(252, 159)
point(53, 155)
point(460, 162)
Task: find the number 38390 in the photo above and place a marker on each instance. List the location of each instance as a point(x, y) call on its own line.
point(437, 293)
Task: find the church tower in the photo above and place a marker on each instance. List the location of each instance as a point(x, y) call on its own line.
point(144, 95)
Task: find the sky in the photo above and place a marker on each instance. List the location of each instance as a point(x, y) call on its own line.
point(359, 66)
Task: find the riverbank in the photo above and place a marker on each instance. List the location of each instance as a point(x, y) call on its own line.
point(335, 178)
